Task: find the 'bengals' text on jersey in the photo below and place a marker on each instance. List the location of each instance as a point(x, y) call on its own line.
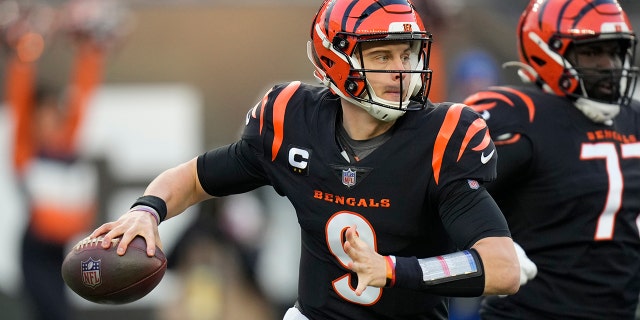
point(570, 190)
point(397, 196)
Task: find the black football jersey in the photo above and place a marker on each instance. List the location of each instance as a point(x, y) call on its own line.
point(572, 202)
point(393, 195)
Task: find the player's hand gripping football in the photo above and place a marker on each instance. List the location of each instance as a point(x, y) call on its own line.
point(129, 225)
point(370, 266)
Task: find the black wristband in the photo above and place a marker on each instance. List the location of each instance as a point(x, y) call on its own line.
point(154, 202)
point(410, 274)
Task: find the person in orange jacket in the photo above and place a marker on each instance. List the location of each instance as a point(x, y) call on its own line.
point(59, 187)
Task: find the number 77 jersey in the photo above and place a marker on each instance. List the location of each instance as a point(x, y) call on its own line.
point(570, 190)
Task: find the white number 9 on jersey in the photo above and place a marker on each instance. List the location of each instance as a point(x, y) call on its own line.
point(335, 231)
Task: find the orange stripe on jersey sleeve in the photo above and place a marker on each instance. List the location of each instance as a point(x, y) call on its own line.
point(484, 143)
point(525, 98)
point(474, 128)
point(482, 106)
point(484, 95)
point(279, 107)
point(446, 130)
point(264, 102)
point(473, 100)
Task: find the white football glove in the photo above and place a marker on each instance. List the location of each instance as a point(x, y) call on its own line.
point(528, 269)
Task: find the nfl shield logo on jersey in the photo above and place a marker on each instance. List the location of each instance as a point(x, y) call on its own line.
point(91, 273)
point(349, 178)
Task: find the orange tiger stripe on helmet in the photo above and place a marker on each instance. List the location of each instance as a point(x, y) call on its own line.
point(338, 29)
point(548, 28)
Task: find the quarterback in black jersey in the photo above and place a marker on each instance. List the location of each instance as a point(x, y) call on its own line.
point(388, 188)
point(569, 168)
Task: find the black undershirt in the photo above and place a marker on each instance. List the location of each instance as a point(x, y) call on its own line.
point(356, 150)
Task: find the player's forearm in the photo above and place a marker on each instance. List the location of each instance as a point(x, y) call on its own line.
point(502, 272)
point(458, 274)
point(490, 267)
point(179, 187)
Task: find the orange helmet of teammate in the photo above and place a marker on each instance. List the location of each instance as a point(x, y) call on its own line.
point(549, 29)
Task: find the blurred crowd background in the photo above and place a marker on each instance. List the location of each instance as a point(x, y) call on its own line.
point(175, 78)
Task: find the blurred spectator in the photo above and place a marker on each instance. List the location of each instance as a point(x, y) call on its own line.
point(59, 187)
point(277, 262)
point(197, 261)
point(260, 225)
point(473, 70)
point(255, 231)
point(216, 260)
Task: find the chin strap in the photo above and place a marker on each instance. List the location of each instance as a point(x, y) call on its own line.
point(597, 111)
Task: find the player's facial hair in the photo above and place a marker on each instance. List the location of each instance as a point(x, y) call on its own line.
point(601, 84)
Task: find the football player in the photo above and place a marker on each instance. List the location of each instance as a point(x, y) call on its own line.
point(569, 169)
point(388, 188)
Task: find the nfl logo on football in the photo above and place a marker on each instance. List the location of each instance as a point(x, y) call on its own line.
point(349, 178)
point(91, 273)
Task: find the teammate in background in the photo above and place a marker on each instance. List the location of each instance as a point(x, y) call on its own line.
point(60, 189)
point(387, 187)
point(569, 168)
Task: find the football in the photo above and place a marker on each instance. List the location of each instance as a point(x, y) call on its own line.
point(102, 276)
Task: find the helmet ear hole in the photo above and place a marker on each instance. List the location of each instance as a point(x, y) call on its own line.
point(565, 82)
point(351, 86)
point(340, 43)
point(555, 44)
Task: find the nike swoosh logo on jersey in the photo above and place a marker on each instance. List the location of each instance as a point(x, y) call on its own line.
point(484, 159)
